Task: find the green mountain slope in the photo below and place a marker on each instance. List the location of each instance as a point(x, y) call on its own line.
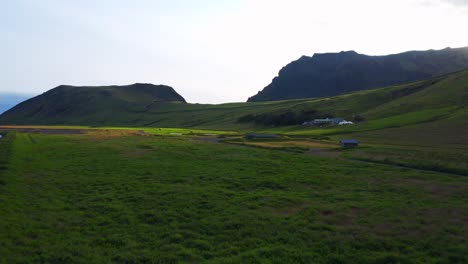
point(337, 73)
point(423, 102)
point(89, 104)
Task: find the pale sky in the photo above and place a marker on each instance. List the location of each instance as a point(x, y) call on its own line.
point(210, 51)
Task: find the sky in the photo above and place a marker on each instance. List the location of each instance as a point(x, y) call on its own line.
point(8, 100)
point(209, 51)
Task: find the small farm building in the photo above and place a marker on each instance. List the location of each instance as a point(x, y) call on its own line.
point(344, 122)
point(263, 136)
point(337, 120)
point(324, 121)
point(349, 143)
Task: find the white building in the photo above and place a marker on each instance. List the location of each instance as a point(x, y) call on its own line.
point(344, 122)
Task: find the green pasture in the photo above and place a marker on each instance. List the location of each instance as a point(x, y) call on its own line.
point(175, 199)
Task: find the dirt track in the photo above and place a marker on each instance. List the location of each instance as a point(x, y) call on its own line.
point(208, 139)
point(48, 131)
point(323, 153)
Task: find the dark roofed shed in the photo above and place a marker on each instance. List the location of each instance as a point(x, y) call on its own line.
point(349, 143)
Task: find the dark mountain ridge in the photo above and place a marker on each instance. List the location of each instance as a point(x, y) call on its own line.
point(328, 74)
point(438, 98)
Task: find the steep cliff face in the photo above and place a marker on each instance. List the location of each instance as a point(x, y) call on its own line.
point(336, 73)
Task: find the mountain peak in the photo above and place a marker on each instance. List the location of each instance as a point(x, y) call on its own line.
point(328, 74)
point(341, 53)
point(145, 84)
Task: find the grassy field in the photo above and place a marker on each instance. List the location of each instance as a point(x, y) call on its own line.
point(108, 196)
point(179, 183)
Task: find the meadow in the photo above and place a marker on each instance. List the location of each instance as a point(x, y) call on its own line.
point(169, 196)
point(127, 181)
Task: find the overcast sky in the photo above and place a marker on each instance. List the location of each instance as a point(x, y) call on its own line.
point(210, 51)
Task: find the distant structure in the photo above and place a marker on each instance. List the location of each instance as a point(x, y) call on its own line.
point(349, 143)
point(337, 120)
point(325, 121)
point(344, 122)
point(308, 123)
point(262, 136)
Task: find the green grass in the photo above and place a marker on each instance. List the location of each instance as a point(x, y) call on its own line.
point(169, 195)
point(401, 120)
point(167, 199)
point(180, 131)
point(148, 130)
point(5, 148)
point(434, 159)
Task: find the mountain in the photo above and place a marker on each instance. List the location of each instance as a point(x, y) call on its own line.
point(337, 73)
point(438, 103)
point(89, 104)
point(8, 100)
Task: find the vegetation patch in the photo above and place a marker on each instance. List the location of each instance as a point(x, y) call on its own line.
point(84, 199)
point(136, 194)
point(448, 161)
point(305, 144)
point(286, 118)
point(5, 153)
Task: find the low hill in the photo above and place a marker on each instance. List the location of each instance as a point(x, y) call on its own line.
point(89, 104)
point(438, 100)
point(331, 74)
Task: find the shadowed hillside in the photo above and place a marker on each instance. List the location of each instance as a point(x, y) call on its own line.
point(432, 100)
point(337, 73)
point(90, 105)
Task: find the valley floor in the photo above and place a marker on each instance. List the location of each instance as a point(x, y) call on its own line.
point(159, 196)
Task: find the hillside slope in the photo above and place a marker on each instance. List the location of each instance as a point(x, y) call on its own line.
point(89, 104)
point(337, 73)
point(432, 100)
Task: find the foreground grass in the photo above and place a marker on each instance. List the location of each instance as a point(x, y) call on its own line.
point(166, 199)
point(442, 160)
